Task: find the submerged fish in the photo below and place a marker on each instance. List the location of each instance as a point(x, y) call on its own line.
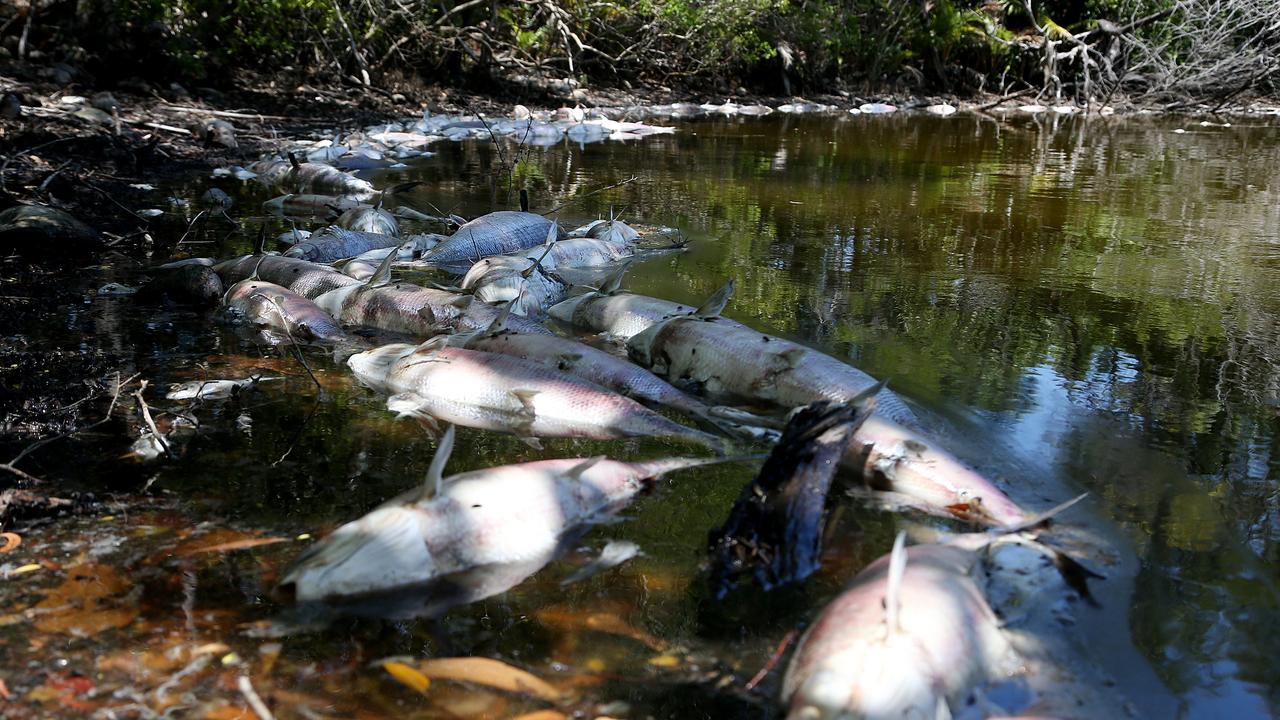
point(213, 389)
point(497, 516)
point(370, 219)
point(618, 314)
point(311, 206)
point(497, 233)
point(309, 177)
point(506, 394)
point(504, 278)
point(270, 306)
point(306, 278)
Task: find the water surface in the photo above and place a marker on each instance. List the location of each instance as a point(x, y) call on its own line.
point(1072, 305)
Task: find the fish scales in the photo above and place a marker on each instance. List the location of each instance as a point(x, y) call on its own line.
point(497, 233)
point(621, 315)
point(306, 278)
point(335, 243)
point(269, 305)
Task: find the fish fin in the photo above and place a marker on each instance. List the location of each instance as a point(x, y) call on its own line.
point(435, 472)
point(575, 472)
point(526, 401)
point(942, 711)
point(537, 264)
point(716, 303)
point(399, 188)
point(408, 404)
point(613, 283)
point(1041, 519)
point(791, 356)
point(893, 593)
point(462, 303)
point(382, 275)
point(293, 160)
point(448, 288)
point(501, 321)
point(524, 200)
point(531, 441)
point(432, 345)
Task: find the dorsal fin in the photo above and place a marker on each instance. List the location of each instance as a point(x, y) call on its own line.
point(524, 200)
point(551, 239)
point(893, 593)
point(462, 302)
point(262, 240)
point(500, 322)
point(382, 275)
point(716, 303)
point(293, 160)
point(435, 472)
point(429, 346)
point(256, 266)
point(613, 283)
point(575, 472)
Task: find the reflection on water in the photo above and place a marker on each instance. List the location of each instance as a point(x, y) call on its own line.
point(1074, 305)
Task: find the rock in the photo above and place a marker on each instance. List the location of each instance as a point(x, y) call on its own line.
point(62, 74)
point(215, 132)
point(105, 102)
point(10, 107)
point(177, 92)
point(520, 112)
point(92, 115)
point(398, 98)
point(188, 285)
point(211, 95)
point(135, 85)
point(38, 230)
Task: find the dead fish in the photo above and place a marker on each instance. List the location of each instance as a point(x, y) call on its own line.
point(608, 371)
point(292, 237)
point(307, 177)
point(337, 243)
point(497, 233)
point(216, 198)
point(327, 207)
point(370, 219)
point(207, 262)
point(495, 516)
point(116, 290)
point(365, 265)
point(518, 280)
point(912, 634)
point(410, 309)
point(613, 554)
point(774, 531)
point(612, 231)
point(734, 362)
point(892, 459)
point(618, 314)
point(306, 278)
point(213, 389)
point(482, 390)
point(271, 306)
point(579, 253)
point(272, 173)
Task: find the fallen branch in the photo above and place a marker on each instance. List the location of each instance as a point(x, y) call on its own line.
point(583, 196)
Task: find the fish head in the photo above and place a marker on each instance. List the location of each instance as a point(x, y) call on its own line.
point(882, 679)
point(566, 310)
point(372, 366)
point(382, 551)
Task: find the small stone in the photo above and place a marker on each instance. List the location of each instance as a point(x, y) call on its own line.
point(216, 198)
point(92, 115)
point(398, 98)
point(177, 92)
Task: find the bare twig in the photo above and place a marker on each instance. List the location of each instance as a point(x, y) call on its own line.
point(251, 696)
point(583, 196)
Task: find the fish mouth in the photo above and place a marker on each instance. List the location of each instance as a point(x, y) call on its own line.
point(372, 366)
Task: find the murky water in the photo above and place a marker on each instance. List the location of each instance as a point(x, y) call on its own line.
point(1072, 305)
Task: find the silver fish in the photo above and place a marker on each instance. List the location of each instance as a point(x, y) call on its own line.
point(497, 516)
point(370, 219)
point(504, 278)
point(311, 206)
point(413, 310)
point(619, 314)
point(337, 243)
point(507, 394)
point(273, 307)
point(497, 233)
point(308, 279)
point(316, 178)
point(212, 389)
point(912, 634)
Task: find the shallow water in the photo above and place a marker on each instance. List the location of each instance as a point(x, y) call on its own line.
point(1072, 305)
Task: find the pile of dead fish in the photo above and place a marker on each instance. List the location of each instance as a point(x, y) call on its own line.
point(913, 635)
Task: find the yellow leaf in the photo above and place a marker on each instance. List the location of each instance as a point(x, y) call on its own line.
point(664, 661)
point(30, 567)
point(490, 673)
point(408, 676)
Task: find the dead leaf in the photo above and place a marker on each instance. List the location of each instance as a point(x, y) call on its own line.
point(223, 540)
point(407, 676)
point(87, 602)
point(664, 661)
point(543, 715)
point(11, 542)
point(229, 712)
point(490, 673)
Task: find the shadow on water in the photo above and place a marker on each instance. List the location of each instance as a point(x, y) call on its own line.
point(1072, 305)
